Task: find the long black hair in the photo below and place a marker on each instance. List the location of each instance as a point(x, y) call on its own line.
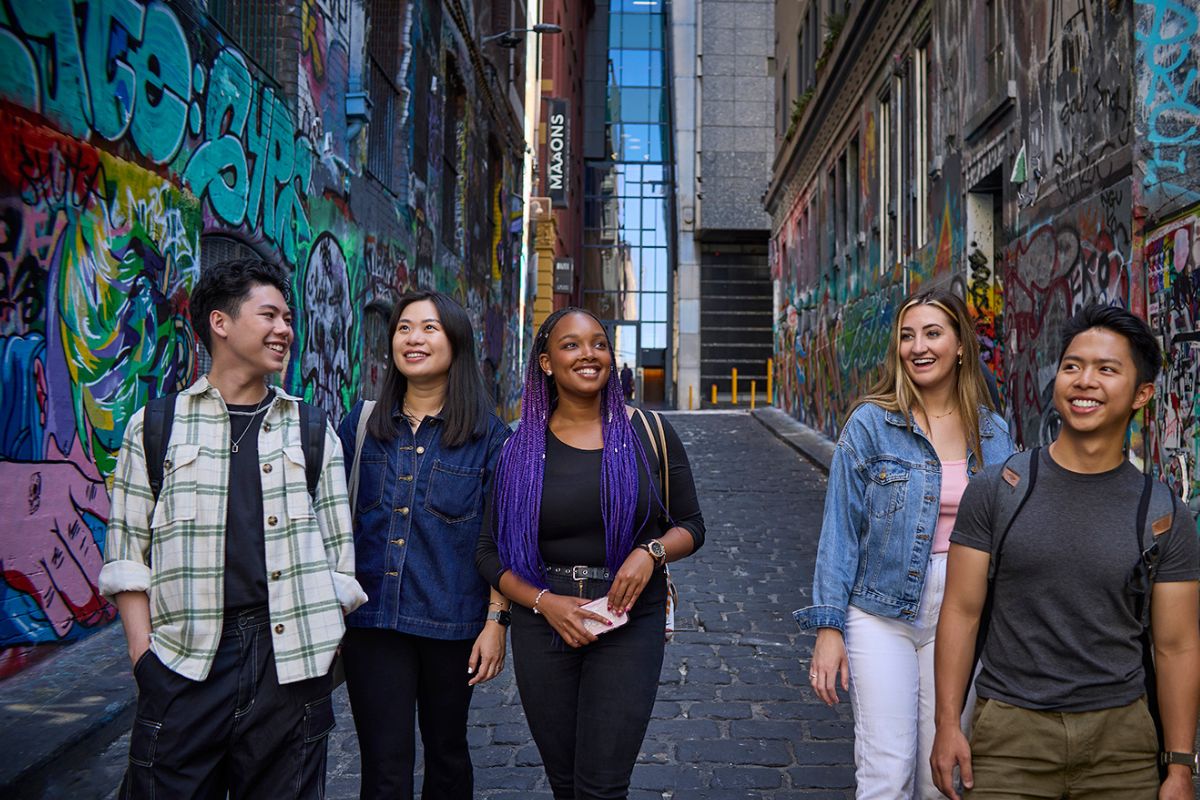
point(467, 406)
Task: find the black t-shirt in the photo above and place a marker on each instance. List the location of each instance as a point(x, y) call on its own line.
point(245, 555)
point(1064, 632)
point(571, 524)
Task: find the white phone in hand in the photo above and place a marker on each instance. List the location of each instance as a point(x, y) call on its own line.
point(600, 606)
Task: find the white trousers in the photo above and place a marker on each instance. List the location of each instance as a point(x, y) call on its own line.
point(891, 688)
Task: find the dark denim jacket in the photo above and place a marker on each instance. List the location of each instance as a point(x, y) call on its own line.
point(420, 507)
point(881, 509)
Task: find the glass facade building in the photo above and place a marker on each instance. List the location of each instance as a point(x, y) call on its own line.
point(629, 194)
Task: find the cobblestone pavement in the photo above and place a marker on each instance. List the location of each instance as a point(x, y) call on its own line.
point(735, 719)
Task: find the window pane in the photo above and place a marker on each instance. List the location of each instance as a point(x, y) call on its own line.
point(636, 30)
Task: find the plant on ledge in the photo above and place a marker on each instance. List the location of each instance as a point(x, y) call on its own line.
point(798, 106)
point(834, 23)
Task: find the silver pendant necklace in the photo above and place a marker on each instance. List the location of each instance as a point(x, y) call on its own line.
point(250, 424)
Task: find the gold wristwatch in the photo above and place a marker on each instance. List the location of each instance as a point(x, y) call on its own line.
point(657, 551)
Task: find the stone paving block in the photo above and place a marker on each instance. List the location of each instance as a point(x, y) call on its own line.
point(823, 777)
point(664, 777)
point(725, 751)
point(719, 711)
point(746, 778)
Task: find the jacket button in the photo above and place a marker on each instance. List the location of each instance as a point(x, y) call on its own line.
point(166, 463)
point(276, 575)
point(406, 477)
point(392, 573)
point(399, 542)
point(279, 628)
point(272, 520)
point(420, 450)
point(266, 426)
point(882, 476)
point(266, 468)
point(404, 511)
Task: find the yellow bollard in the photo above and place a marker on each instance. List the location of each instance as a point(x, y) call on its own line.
point(691, 392)
point(733, 384)
point(753, 393)
point(714, 402)
point(770, 379)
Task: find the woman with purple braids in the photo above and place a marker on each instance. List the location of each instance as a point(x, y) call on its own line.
point(577, 516)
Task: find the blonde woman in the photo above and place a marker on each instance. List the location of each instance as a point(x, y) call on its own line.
point(898, 472)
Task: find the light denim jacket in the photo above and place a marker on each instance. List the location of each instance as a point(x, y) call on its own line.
point(881, 509)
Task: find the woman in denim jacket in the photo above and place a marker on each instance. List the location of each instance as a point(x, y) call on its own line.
point(427, 635)
point(898, 472)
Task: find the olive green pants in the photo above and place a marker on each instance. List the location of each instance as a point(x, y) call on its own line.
point(1099, 755)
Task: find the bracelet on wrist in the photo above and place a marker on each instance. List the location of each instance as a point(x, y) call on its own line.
point(537, 600)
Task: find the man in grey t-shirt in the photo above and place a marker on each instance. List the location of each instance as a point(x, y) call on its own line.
point(1061, 710)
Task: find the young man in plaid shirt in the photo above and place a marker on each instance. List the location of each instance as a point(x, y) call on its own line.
point(233, 581)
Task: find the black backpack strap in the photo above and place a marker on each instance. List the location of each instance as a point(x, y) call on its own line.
point(1020, 468)
point(312, 439)
point(157, 421)
point(1156, 496)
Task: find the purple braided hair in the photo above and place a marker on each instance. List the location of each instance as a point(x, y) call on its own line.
point(521, 468)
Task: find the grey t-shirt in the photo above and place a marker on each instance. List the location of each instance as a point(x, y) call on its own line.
point(1064, 635)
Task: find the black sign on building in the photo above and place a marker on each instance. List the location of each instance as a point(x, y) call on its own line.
point(564, 275)
point(558, 155)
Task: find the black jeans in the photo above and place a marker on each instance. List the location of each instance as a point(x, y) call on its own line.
point(390, 676)
point(588, 708)
point(237, 732)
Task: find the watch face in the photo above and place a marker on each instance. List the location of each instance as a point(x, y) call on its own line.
point(657, 550)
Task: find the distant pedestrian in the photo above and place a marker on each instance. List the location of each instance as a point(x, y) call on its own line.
point(426, 455)
point(900, 466)
point(578, 516)
point(1076, 542)
point(627, 383)
point(232, 576)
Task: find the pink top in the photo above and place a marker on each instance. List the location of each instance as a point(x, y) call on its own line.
point(954, 483)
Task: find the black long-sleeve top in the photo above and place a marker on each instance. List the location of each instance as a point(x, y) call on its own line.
point(570, 525)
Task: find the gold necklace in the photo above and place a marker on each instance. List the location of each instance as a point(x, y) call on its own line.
point(941, 416)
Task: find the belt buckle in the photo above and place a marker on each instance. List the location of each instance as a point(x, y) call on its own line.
point(575, 572)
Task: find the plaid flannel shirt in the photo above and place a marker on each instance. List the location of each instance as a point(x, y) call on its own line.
point(175, 549)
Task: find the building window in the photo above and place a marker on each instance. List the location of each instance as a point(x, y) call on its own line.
point(852, 190)
point(901, 165)
point(784, 102)
point(994, 46)
point(253, 26)
point(921, 137)
point(885, 212)
point(453, 121)
point(385, 48)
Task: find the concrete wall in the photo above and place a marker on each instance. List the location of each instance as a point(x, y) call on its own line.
point(136, 136)
point(1057, 176)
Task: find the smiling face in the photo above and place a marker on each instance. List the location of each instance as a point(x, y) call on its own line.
point(929, 347)
point(1096, 387)
point(259, 336)
point(577, 356)
point(420, 347)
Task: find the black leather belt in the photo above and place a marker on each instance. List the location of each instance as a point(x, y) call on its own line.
point(580, 573)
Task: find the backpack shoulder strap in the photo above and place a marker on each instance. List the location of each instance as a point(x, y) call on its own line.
point(312, 439)
point(360, 436)
point(1020, 474)
point(157, 422)
point(1156, 515)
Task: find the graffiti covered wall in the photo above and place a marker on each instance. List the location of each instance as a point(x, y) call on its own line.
point(138, 143)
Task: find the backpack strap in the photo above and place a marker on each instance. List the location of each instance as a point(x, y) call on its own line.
point(312, 439)
point(1020, 469)
point(658, 444)
point(360, 435)
point(1155, 516)
point(157, 422)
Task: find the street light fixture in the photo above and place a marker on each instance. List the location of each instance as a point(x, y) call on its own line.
point(512, 38)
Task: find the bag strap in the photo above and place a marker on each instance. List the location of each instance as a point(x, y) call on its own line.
point(658, 444)
point(360, 435)
point(1020, 468)
point(157, 422)
point(312, 439)
point(664, 465)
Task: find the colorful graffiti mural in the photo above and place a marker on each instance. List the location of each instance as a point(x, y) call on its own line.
point(1168, 113)
point(137, 140)
point(1173, 268)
